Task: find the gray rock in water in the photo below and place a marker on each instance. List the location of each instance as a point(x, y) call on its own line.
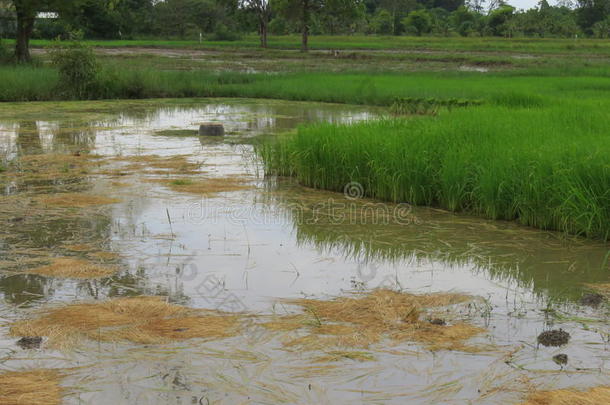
point(211, 129)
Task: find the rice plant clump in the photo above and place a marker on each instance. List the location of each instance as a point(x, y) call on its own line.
point(543, 167)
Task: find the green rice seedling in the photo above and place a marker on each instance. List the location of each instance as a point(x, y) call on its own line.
point(543, 167)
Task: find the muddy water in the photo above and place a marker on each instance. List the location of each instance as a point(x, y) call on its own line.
point(244, 250)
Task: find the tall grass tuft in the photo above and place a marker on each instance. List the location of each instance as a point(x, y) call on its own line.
point(546, 168)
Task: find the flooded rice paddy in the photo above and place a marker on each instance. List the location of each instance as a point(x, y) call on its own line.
point(161, 267)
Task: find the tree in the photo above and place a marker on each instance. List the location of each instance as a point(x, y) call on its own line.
point(499, 18)
point(341, 14)
point(398, 9)
point(299, 11)
point(463, 20)
point(592, 11)
point(303, 11)
point(419, 21)
point(262, 8)
point(26, 12)
point(382, 23)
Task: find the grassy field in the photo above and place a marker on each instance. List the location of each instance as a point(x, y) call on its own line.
point(532, 146)
point(524, 88)
point(373, 42)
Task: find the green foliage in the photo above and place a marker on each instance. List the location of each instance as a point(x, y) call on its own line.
point(279, 26)
point(601, 29)
point(382, 23)
point(78, 69)
point(418, 22)
point(499, 19)
point(128, 19)
point(6, 55)
point(223, 33)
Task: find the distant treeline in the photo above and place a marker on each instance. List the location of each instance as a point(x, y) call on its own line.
point(228, 19)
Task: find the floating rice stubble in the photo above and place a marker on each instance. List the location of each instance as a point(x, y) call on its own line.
point(140, 320)
point(602, 288)
point(593, 396)
point(208, 186)
point(68, 267)
point(75, 200)
point(338, 355)
point(171, 164)
point(52, 166)
point(40, 387)
point(366, 319)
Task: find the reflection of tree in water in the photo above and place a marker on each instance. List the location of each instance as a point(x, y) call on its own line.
point(28, 138)
point(74, 136)
point(20, 289)
point(534, 259)
point(41, 235)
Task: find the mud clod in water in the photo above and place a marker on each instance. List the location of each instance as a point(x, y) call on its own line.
point(438, 321)
point(591, 299)
point(29, 342)
point(555, 337)
point(561, 359)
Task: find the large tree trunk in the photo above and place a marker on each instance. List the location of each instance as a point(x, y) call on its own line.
point(305, 39)
point(25, 26)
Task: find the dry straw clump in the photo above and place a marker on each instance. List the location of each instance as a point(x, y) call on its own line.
point(51, 166)
point(40, 387)
point(74, 200)
point(69, 267)
point(594, 396)
point(366, 319)
point(145, 320)
point(167, 164)
point(207, 186)
point(602, 288)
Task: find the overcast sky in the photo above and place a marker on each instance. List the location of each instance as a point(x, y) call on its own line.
point(525, 4)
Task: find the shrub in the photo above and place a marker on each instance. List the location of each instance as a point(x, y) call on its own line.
point(78, 69)
point(223, 33)
point(279, 26)
point(5, 54)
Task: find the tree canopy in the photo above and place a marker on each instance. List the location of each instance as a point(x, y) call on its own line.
point(229, 19)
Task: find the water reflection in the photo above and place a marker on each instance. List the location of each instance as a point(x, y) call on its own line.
point(33, 233)
point(369, 232)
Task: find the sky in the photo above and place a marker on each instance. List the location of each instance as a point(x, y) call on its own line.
point(525, 4)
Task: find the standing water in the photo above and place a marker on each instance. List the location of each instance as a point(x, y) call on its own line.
point(110, 200)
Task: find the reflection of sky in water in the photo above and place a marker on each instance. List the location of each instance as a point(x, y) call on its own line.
point(245, 249)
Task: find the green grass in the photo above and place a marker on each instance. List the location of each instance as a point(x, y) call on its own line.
point(374, 42)
point(531, 87)
point(544, 167)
